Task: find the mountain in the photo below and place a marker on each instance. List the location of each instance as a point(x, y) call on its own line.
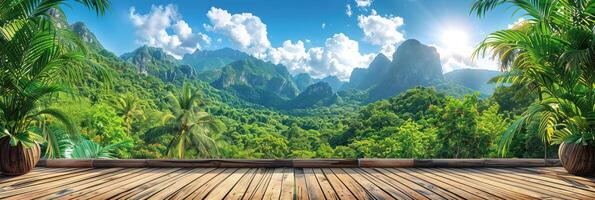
point(86, 35)
point(414, 64)
point(303, 80)
point(366, 78)
point(475, 79)
point(207, 60)
point(334, 82)
point(150, 60)
point(318, 94)
point(257, 81)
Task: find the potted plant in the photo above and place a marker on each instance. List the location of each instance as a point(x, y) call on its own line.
point(38, 57)
point(551, 53)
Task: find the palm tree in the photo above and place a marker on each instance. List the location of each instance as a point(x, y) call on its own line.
point(553, 51)
point(38, 58)
point(190, 127)
point(87, 149)
point(128, 107)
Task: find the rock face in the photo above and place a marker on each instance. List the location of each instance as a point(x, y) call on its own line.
point(303, 80)
point(334, 82)
point(475, 79)
point(86, 35)
point(212, 60)
point(151, 60)
point(369, 77)
point(257, 81)
point(318, 94)
point(414, 64)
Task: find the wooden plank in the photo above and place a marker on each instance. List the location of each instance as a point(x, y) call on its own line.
point(260, 178)
point(562, 175)
point(128, 163)
point(116, 186)
point(340, 188)
point(441, 182)
point(240, 188)
point(370, 187)
point(324, 163)
point(69, 163)
point(149, 188)
point(287, 189)
point(225, 187)
point(504, 185)
point(181, 183)
point(29, 192)
point(482, 190)
point(273, 190)
point(39, 178)
point(419, 185)
point(232, 163)
point(188, 189)
point(395, 182)
point(313, 188)
point(386, 162)
point(541, 186)
point(81, 186)
point(125, 184)
point(327, 189)
point(394, 192)
point(355, 188)
point(311, 163)
point(301, 188)
point(260, 191)
point(552, 182)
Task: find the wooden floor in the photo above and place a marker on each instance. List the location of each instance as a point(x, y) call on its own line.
point(298, 183)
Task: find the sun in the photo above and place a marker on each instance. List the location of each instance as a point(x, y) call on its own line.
point(454, 39)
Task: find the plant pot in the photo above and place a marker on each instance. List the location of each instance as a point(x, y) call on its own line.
point(17, 160)
point(577, 159)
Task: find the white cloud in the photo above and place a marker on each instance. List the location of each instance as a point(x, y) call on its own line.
point(363, 3)
point(339, 56)
point(461, 59)
point(516, 23)
point(152, 30)
point(348, 10)
point(382, 31)
point(323, 25)
point(245, 30)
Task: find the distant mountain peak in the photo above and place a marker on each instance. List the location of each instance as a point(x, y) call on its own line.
point(85, 34)
point(207, 60)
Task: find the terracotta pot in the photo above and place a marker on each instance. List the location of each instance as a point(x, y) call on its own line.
point(17, 160)
point(577, 159)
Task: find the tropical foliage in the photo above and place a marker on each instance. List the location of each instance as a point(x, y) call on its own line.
point(551, 53)
point(39, 58)
point(88, 103)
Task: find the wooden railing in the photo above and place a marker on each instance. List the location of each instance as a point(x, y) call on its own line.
point(322, 163)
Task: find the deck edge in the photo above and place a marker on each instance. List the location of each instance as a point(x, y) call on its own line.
point(298, 163)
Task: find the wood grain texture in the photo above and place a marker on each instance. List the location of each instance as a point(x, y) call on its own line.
point(299, 163)
point(17, 160)
point(577, 159)
point(297, 183)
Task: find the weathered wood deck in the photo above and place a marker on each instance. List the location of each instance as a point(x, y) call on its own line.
point(298, 183)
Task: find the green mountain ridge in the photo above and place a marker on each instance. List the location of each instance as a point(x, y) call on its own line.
point(209, 60)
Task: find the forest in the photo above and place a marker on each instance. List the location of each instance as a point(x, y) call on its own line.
point(60, 88)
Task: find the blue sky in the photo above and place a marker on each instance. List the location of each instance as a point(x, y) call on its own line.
point(322, 34)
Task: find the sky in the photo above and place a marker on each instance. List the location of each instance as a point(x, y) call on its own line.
point(320, 37)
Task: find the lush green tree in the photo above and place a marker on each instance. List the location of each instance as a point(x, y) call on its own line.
point(189, 126)
point(552, 53)
point(128, 108)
